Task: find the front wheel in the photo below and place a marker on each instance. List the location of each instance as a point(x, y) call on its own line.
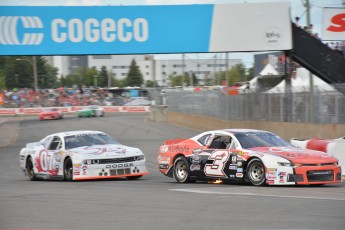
point(68, 169)
point(30, 169)
point(133, 177)
point(256, 172)
point(181, 170)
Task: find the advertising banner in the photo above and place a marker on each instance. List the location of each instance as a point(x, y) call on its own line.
point(333, 24)
point(78, 30)
point(2, 98)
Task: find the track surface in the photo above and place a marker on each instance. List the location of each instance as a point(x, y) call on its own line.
point(154, 201)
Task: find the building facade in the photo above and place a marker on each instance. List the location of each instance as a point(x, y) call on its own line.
point(151, 68)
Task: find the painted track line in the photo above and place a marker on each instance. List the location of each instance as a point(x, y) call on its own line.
point(253, 194)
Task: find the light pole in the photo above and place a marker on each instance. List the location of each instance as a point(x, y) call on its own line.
point(34, 68)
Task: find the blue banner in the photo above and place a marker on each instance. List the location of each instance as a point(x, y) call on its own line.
point(104, 29)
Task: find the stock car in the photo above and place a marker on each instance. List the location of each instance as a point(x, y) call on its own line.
point(91, 111)
point(50, 114)
point(81, 155)
point(245, 156)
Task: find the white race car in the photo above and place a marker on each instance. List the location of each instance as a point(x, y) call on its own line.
point(81, 155)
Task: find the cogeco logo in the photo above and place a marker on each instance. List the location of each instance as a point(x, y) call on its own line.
point(73, 30)
point(338, 22)
point(8, 30)
point(93, 30)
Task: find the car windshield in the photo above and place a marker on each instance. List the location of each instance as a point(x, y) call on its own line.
point(80, 140)
point(253, 140)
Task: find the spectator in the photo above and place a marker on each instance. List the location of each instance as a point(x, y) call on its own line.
point(343, 48)
point(297, 21)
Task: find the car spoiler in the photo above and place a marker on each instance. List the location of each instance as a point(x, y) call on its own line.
point(174, 141)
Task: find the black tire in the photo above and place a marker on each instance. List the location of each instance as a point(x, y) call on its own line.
point(256, 172)
point(68, 169)
point(182, 171)
point(133, 177)
point(30, 169)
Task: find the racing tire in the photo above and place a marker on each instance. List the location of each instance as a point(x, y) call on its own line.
point(256, 172)
point(30, 169)
point(68, 169)
point(181, 170)
point(133, 177)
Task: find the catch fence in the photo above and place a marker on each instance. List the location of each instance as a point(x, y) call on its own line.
point(323, 107)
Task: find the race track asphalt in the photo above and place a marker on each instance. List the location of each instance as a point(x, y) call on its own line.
point(154, 201)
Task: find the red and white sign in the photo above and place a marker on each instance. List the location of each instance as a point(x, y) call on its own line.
point(333, 25)
point(2, 99)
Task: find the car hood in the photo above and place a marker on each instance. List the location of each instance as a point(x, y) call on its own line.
point(107, 151)
point(297, 155)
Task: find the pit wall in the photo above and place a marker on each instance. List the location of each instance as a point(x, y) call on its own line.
point(285, 130)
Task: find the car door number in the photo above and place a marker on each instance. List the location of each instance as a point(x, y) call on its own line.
point(46, 162)
point(217, 167)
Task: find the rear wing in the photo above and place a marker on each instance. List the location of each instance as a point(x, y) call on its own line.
point(174, 141)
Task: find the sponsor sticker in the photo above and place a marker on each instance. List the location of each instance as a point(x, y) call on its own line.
point(195, 159)
point(233, 159)
point(270, 181)
point(195, 167)
point(271, 169)
point(197, 151)
point(163, 166)
point(233, 167)
point(164, 149)
point(239, 175)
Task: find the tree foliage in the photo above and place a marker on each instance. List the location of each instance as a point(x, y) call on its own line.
point(134, 76)
point(18, 72)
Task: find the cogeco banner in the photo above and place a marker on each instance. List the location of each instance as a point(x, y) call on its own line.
point(58, 30)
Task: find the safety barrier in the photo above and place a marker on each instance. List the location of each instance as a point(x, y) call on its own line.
point(72, 109)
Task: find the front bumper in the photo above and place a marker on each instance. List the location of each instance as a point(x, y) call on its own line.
point(104, 171)
point(305, 175)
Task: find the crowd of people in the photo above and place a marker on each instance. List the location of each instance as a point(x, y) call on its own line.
point(338, 46)
point(26, 98)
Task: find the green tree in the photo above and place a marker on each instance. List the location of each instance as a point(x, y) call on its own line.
point(2, 80)
point(18, 71)
point(103, 77)
point(134, 76)
point(51, 79)
point(151, 84)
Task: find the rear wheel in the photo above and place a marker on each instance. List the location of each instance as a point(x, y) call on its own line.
point(68, 169)
point(181, 170)
point(256, 172)
point(133, 177)
point(30, 169)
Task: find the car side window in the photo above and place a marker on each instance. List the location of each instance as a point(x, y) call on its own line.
point(203, 140)
point(46, 141)
point(55, 144)
point(221, 142)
